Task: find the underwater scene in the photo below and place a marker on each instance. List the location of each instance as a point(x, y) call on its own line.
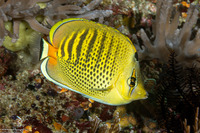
point(99, 66)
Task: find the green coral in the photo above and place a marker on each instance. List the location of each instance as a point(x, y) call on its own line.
point(26, 37)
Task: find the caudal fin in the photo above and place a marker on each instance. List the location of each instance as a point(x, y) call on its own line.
point(45, 49)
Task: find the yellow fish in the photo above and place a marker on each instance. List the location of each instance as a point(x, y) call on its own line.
point(94, 60)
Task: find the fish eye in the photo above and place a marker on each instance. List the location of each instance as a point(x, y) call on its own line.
point(132, 82)
point(132, 79)
point(136, 56)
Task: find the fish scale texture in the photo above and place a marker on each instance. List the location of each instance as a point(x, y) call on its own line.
point(91, 59)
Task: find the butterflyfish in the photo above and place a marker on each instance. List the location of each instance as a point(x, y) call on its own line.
point(94, 60)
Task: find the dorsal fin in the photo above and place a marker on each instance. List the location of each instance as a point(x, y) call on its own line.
point(60, 23)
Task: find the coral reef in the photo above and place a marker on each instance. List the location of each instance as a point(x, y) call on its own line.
point(128, 14)
point(29, 102)
point(16, 11)
point(167, 35)
point(40, 16)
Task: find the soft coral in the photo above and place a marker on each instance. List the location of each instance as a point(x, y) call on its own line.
point(168, 36)
point(17, 10)
point(52, 12)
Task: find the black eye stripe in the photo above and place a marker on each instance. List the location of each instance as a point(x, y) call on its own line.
point(133, 78)
point(136, 56)
point(133, 81)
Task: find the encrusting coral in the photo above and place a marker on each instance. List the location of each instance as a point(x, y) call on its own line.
point(168, 36)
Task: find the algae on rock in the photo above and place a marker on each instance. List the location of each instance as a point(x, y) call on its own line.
point(27, 37)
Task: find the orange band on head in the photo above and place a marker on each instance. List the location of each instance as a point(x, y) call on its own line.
point(52, 61)
point(52, 52)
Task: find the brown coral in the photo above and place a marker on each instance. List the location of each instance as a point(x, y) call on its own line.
point(17, 10)
point(60, 9)
point(168, 36)
point(52, 12)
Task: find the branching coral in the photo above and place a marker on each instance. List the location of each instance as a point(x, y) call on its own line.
point(17, 10)
point(51, 11)
point(168, 36)
point(60, 9)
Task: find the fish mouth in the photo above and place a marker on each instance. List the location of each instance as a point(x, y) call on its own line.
point(138, 93)
point(137, 90)
point(146, 95)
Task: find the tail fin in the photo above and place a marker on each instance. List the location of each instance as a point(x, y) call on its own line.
point(45, 49)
